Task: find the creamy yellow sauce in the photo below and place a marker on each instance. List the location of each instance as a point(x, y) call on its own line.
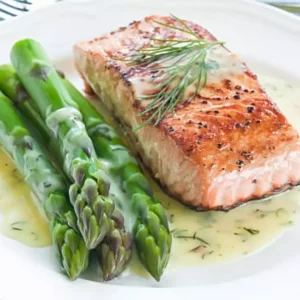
point(198, 238)
point(211, 237)
point(20, 219)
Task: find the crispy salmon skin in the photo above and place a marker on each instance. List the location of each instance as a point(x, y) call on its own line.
point(227, 146)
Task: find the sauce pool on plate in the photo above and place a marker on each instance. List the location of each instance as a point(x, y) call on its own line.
point(20, 218)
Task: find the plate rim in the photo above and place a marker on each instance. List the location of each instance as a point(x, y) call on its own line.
point(61, 5)
point(286, 19)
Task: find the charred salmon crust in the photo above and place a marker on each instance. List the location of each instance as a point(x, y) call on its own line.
point(228, 146)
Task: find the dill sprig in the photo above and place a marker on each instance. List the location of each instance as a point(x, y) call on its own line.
point(183, 63)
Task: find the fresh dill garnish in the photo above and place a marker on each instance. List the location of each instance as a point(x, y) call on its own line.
point(182, 63)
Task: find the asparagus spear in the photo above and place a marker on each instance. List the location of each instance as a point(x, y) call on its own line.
point(47, 185)
point(90, 187)
point(115, 251)
point(151, 230)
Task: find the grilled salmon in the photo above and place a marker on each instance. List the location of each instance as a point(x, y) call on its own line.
point(227, 146)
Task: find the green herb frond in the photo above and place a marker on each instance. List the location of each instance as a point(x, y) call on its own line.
point(184, 62)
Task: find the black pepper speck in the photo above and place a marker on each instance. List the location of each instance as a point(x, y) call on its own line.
point(250, 109)
point(239, 162)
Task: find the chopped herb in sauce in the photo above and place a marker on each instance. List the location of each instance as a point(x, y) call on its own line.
point(289, 223)
point(35, 236)
point(280, 211)
point(16, 174)
point(198, 249)
point(260, 213)
point(171, 218)
point(18, 226)
point(207, 253)
point(251, 230)
point(178, 235)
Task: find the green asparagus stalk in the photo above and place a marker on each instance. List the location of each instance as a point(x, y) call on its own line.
point(115, 251)
point(151, 230)
point(90, 187)
point(12, 87)
point(47, 185)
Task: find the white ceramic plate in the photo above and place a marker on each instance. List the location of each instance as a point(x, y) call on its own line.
point(269, 40)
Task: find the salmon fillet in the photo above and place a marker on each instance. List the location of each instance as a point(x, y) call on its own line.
point(229, 145)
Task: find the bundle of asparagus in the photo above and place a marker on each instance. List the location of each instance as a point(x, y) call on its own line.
point(115, 251)
point(81, 136)
point(90, 187)
point(151, 230)
point(49, 187)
